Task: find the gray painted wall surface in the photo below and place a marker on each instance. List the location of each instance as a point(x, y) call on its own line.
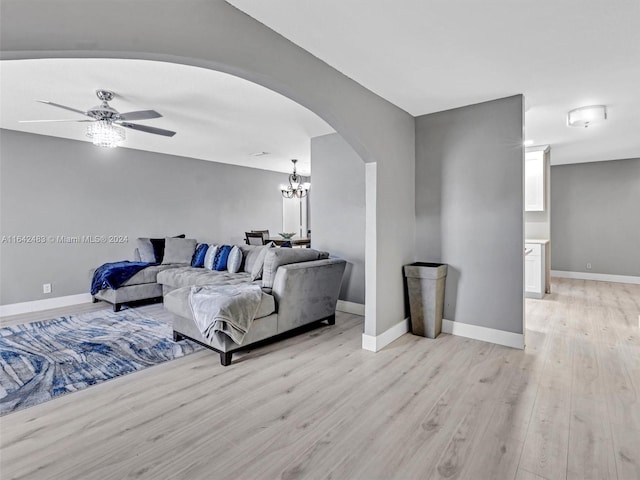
point(595, 217)
point(469, 209)
point(339, 208)
point(52, 186)
point(213, 34)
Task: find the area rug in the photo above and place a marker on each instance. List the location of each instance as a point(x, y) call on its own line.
point(44, 360)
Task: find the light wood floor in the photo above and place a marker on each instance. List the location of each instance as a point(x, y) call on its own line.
point(319, 407)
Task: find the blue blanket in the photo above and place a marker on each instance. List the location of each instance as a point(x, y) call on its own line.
point(113, 275)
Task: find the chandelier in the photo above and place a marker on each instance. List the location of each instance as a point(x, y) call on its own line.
point(296, 188)
point(103, 133)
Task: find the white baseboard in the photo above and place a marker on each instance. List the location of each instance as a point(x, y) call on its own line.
point(508, 339)
point(350, 307)
point(46, 304)
point(601, 277)
point(378, 342)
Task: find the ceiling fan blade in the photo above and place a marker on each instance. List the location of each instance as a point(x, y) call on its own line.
point(140, 115)
point(62, 106)
point(52, 121)
point(145, 128)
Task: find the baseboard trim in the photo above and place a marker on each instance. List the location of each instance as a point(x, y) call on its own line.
point(350, 307)
point(601, 277)
point(46, 304)
point(375, 343)
point(508, 339)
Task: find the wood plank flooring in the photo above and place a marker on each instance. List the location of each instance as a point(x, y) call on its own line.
point(317, 406)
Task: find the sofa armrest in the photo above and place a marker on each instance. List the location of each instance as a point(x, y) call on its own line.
point(306, 292)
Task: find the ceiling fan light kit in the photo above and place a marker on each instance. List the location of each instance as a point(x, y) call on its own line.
point(106, 125)
point(105, 134)
point(585, 116)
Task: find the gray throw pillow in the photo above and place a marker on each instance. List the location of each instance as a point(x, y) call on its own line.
point(145, 249)
point(179, 250)
point(250, 253)
point(258, 265)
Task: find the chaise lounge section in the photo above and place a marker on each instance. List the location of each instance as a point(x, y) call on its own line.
point(143, 286)
point(296, 291)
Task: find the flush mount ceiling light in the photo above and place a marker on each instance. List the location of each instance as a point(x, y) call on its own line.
point(295, 189)
point(585, 116)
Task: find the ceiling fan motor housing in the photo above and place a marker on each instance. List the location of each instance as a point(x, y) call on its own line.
point(104, 111)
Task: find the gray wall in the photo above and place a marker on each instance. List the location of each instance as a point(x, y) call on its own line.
point(469, 209)
point(339, 208)
point(596, 217)
point(52, 186)
point(213, 34)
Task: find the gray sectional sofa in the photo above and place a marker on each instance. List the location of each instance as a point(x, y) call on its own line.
point(299, 287)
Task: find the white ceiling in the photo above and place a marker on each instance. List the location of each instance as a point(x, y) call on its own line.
point(217, 116)
point(431, 55)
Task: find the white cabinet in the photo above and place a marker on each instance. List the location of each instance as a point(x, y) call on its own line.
point(534, 181)
point(535, 269)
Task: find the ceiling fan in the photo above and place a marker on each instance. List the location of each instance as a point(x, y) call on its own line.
point(105, 119)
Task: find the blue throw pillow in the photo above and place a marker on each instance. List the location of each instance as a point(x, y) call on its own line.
point(222, 255)
point(198, 256)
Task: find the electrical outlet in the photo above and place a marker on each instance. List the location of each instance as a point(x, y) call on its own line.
point(46, 288)
point(588, 265)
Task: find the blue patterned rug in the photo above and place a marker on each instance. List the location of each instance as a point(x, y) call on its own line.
point(43, 360)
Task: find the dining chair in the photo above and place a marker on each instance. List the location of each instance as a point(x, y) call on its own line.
point(254, 238)
point(265, 235)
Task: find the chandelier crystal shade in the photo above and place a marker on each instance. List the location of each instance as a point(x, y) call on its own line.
point(296, 188)
point(103, 133)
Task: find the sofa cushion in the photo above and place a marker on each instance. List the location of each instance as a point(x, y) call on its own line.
point(210, 257)
point(147, 275)
point(234, 262)
point(187, 276)
point(284, 256)
point(179, 250)
point(145, 250)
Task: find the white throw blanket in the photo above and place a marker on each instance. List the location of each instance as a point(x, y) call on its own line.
point(229, 309)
